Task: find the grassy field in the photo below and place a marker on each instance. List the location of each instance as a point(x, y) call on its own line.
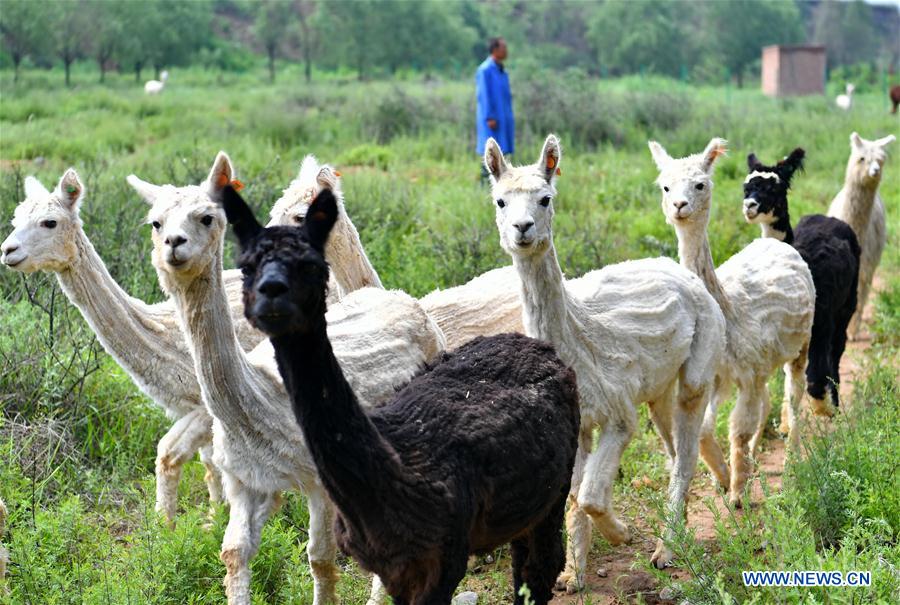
point(77, 439)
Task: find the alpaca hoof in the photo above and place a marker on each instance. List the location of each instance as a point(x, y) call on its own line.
point(783, 429)
point(662, 556)
point(568, 581)
point(821, 407)
point(736, 502)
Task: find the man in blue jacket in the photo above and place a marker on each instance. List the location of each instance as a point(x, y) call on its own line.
point(495, 114)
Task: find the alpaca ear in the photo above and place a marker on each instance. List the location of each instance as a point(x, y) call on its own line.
point(856, 141)
point(885, 141)
point(69, 190)
point(753, 162)
point(714, 149)
point(34, 189)
point(148, 191)
point(327, 178)
point(493, 160)
point(221, 174)
point(551, 154)
point(660, 155)
point(320, 218)
point(792, 163)
point(238, 214)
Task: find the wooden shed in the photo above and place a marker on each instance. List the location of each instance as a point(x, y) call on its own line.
point(793, 70)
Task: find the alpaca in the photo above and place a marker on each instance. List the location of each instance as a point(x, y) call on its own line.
point(845, 101)
point(637, 331)
point(831, 251)
point(895, 98)
point(4, 556)
point(486, 305)
point(475, 452)
point(380, 337)
point(767, 294)
point(859, 205)
point(154, 87)
point(143, 339)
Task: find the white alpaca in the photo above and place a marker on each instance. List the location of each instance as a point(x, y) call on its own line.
point(859, 205)
point(4, 556)
point(486, 305)
point(143, 339)
point(381, 339)
point(637, 331)
point(154, 87)
point(767, 295)
point(845, 101)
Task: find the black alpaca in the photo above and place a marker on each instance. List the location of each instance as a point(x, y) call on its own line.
point(475, 452)
point(831, 250)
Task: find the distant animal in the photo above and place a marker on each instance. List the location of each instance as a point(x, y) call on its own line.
point(638, 331)
point(830, 249)
point(154, 87)
point(859, 205)
point(766, 293)
point(845, 101)
point(477, 451)
point(4, 556)
point(895, 97)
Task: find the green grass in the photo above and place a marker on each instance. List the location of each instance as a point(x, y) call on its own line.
point(77, 440)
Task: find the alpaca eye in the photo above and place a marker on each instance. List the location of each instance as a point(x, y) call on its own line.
point(666, 189)
point(699, 187)
point(49, 224)
point(545, 201)
point(207, 220)
point(156, 225)
point(501, 203)
point(299, 219)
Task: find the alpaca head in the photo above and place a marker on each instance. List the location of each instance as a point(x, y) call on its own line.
point(766, 187)
point(187, 225)
point(849, 89)
point(45, 225)
point(686, 183)
point(867, 159)
point(523, 198)
point(285, 273)
point(291, 208)
point(164, 76)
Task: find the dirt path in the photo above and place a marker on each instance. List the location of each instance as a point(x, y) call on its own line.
point(618, 577)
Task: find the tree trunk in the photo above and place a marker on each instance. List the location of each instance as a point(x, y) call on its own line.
point(157, 69)
point(308, 69)
point(102, 64)
point(739, 76)
point(17, 59)
point(138, 67)
point(272, 65)
point(68, 63)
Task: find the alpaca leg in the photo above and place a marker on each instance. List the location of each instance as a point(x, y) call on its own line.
point(595, 494)
point(743, 423)
point(862, 295)
point(545, 557)
point(248, 512)
point(578, 525)
point(661, 415)
point(710, 450)
point(518, 550)
point(213, 476)
point(322, 548)
point(763, 419)
point(838, 345)
point(379, 595)
point(177, 447)
point(453, 563)
point(4, 556)
point(688, 419)
point(794, 387)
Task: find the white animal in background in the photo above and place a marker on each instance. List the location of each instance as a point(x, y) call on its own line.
point(859, 205)
point(4, 557)
point(644, 330)
point(154, 87)
point(845, 101)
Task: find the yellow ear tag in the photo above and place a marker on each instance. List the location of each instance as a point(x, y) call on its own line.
point(237, 185)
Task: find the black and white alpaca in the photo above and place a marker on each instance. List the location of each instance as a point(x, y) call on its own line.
point(475, 452)
point(830, 249)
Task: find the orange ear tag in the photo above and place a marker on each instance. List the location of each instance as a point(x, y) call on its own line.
point(558, 172)
point(551, 162)
point(237, 185)
point(337, 173)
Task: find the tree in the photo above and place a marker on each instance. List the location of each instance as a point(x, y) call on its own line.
point(108, 19)
point(272, 25)
point(305, 11)
point(847, 31)
point(740, 28)
point(23, 25)
point(70, 26)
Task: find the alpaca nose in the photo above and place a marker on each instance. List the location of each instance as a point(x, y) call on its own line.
point(273, 287)
point(175, 240)
point(750, 204)
point(679, 205)
point(9, 247)
point(524, 225)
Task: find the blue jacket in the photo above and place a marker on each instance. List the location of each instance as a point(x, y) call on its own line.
point(494, 102)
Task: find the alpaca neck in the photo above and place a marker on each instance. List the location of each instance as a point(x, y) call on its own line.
point(225, 375)
point(780, 229)
point(546, 306)
point(859, 198)
point(347, 258)
point(695, 256)
point(352, 457)
point(136, 336)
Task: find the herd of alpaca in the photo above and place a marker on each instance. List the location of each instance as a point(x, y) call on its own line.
point(422, 431)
